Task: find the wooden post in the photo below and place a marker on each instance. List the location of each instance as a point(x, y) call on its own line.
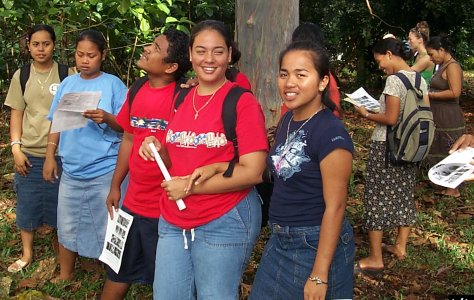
point(263, 29)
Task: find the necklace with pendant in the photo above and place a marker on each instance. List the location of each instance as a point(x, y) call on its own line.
point(196, 115)
point(37, 76)
point(287, 141)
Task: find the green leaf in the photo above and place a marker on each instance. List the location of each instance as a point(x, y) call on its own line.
point(123, 7)
point(163, 8)
point(209, 12)
point(183, 28)
point(8, 4)
point(144, 25)
point(171, 20)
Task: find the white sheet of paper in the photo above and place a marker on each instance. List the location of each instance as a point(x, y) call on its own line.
point(361, 98)
point(68, 113)
point(65, 120)
point(115, 238)
point(451, 171)
point(79, 102)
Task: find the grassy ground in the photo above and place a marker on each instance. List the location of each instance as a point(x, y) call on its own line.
point(440, 258)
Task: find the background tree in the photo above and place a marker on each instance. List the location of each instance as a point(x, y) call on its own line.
point(263, 28)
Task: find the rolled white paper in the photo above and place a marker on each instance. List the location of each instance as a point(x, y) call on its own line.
point(165, 172)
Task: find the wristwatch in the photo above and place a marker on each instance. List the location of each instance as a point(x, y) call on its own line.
point(317, 280)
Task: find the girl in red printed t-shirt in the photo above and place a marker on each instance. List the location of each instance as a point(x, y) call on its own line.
point(203, 249)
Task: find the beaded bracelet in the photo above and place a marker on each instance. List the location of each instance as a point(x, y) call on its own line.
point(52, 143)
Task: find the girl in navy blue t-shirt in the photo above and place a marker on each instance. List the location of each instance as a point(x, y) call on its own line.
point(310, 253)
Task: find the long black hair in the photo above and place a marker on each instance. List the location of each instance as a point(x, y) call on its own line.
point(320, 60)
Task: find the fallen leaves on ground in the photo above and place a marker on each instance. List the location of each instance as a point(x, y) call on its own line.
point(43, 273)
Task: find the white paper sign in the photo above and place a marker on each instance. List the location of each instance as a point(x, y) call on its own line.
point(451, 171)
point(68, 113)
point(362, 98)
point(115, 238)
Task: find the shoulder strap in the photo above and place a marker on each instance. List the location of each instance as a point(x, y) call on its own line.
point(408, 84)
point(136, 86)
point(229, 118)
point(180, 94)
point(24, 76)
point(63, 71)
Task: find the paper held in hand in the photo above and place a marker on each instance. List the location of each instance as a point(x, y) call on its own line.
point(115, 238)
point(165, 172)
point(68, 113)
point(362, 98)
point(451, 171)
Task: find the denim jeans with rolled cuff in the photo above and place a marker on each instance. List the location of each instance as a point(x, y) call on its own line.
point(288, 259)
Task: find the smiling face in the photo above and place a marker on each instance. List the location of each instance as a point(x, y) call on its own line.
point(385, 63)
point(41, 47)
point(152, 59)
point(414, 41)
point(299, 83)
point(210, 56)
point(88, 59)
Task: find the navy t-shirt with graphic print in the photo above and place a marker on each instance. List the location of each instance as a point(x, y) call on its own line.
point(297, 198)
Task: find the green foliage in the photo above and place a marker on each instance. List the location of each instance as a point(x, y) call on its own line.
point(351, 30)
point(349, 27)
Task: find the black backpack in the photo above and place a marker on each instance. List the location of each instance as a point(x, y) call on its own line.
point(137, 85)
point(229, 119)
point(409, 140)
point(229, 111)
point(63, 71)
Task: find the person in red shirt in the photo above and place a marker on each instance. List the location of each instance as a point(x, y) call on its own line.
point(165, 61)
point(203, 249)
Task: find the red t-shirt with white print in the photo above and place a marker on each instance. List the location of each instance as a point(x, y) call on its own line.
point(192, 143)
point(149, 116)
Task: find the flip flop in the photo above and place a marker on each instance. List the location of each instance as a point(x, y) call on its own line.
point(18, 266)
point(371, 272)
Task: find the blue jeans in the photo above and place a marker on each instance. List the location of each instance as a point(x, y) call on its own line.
point(288, 259)
point(36, 199)
point(82, 213)
point(217, 254)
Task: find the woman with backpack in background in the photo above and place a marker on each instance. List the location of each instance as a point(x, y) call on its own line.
point(445, 89)
point(389, 189)
point(88, 155)
point(29, 96)
point(203, 249)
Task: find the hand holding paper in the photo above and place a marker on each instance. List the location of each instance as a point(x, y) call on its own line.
point(454, 169)
point(165, 172)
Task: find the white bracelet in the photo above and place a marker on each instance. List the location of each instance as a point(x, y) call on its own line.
point(16, 143)
point(366, 115)
point(317, 280)
point(52, 143)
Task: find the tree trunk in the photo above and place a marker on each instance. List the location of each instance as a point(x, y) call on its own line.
point(263, 29)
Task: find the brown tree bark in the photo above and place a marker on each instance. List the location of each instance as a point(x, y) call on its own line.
point(263, 29)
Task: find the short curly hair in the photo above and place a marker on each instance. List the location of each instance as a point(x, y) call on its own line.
point(178, 51)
